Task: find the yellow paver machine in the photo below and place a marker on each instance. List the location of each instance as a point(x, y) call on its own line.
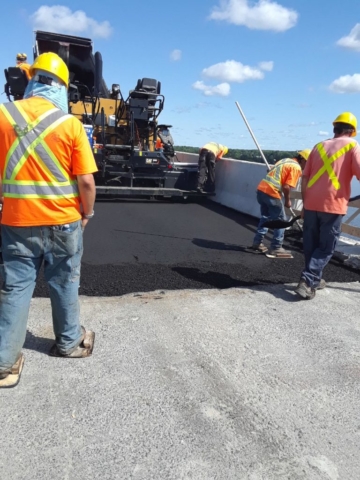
point(122, 131)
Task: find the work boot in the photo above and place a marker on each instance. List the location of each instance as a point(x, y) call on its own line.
point(305, 291)
point(258, 248)
point(11, 377)
point(321, 285)
point(279, 253)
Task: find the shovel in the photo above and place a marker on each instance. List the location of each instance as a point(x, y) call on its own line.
point(275, 224)
point(289, 223)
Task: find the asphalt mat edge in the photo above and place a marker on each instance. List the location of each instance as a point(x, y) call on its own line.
point(118, 280)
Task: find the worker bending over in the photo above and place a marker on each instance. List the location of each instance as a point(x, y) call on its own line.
point(209, 154)
point(279, 181)
point(21, 62)
point(48, 194)
point(325, 189)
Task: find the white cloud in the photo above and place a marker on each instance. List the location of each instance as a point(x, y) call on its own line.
point(267, 66)
point(221, 90)
point(323, 134)
point(175, 55)
point(346, 84)
point(351, 41)
point(264, 15)
point(232, 71)
point(61, 19)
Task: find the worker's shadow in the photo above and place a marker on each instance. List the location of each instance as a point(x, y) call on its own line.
point(223, 281)
point(212, 245)
point(38, 344)
point(213, 279)
point(286, 293)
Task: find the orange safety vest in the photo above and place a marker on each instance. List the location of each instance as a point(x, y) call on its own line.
point(272, 183)
point(42, 149)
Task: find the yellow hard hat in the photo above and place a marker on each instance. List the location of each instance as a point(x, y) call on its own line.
point(52, 63)
point(21, 56)
point(305, 153)
point(349, 118)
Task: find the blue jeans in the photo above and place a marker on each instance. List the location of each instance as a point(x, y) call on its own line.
point(24, 249)
point(271, 209)
point(321, 233)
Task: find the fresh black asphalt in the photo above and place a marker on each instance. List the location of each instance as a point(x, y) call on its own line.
point(142, 245)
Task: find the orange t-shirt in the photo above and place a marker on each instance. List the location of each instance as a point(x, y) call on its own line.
point(290, 174)
point(159, 144)
point(322, 196)
point(70, 145)
point(26, 68)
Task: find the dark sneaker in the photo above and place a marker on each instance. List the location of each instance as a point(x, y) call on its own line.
point(258, 248)
point(321, 285)
point(279, 253)
point(305, 291)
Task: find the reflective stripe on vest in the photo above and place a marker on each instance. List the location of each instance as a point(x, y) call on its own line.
point(273, 178)
point(30, 141)
point(328, 161)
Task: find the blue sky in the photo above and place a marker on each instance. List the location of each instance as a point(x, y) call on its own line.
point(293, 65)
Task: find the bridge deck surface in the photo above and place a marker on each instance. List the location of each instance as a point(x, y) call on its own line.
point(233, 384)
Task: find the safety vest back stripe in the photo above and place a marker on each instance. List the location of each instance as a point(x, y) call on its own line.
point(328, 161)
point(20, 132)
point(30, 141)
point(17, 117)
point(49, 164)
point(26, 145)
point(47, 159)
point(42, 191)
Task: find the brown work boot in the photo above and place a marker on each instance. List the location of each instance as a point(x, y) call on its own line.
point(279, 253)
point(258, 248)
point(11, 377)
point(321, 285)
point(305, 291)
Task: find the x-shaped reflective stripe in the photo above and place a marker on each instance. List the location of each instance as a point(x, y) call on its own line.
point(30, 140)
point(327, 167)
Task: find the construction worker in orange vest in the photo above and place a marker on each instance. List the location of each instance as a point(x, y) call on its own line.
point(279, 181)
point(325, 190)
point(22, 64)
point(159, 146)
point(48, 195)
point(209, 154)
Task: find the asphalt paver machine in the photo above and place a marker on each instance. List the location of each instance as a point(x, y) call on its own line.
point(122, 131)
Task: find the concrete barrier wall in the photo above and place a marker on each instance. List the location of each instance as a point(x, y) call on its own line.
point(236, 182)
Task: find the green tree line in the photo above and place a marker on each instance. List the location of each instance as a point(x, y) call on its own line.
point(271, 156)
